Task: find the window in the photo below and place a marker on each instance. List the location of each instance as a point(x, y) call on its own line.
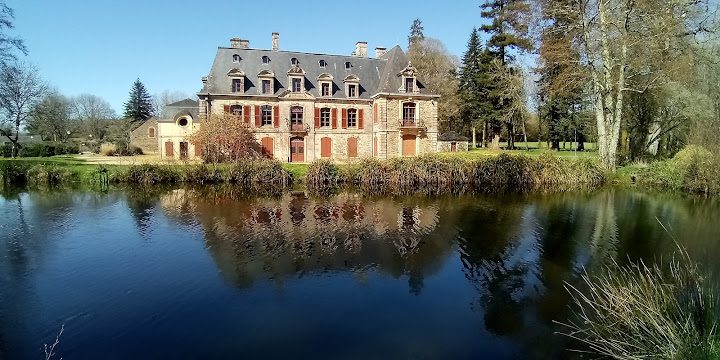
point(323, 64)
point(265, 60)
point(151, 132)
point(267, 87)
point(409, 84)
point(182, 121)
point(236, 58)
point(237, 85)
point(296, 84)
point(325, 117)
point(348, 65)
point(325, 89)
point(408, 112)
point(296, 118)
point(352, 90)
point(236, 110)
point(295, 61)
point(266, 115)
point(352, 118)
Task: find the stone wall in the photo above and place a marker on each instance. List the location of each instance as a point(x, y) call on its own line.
point(446, 146)
point(141, 137)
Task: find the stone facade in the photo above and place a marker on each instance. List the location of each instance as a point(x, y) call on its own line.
point(146, 136)
point(372, 107)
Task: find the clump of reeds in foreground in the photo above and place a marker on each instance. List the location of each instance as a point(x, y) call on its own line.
point(647, 312)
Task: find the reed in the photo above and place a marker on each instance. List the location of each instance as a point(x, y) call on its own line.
point(639, 311)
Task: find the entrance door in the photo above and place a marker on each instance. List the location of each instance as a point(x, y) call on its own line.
point(297, 150)
point(408, 145)
point(183, 150)
point(453, 146)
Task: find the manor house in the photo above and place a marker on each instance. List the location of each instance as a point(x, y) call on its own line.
point(305, 106)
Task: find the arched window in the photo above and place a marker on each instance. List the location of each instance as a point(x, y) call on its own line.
point(151, 132)
point(296, 118)
point(348, 65)
point(325, 117)
point(352, 118)
point(323, 64)
point(266, 113)
point(265, 59)
point(236, 58)
point(236, 110)
point(295, 61)
point(352, 144)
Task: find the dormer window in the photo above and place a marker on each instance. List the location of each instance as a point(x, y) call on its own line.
point(236, 58)
point(352, 86)
point(348, 65)
point(295, 62)
point(296, 84)
point(325, 82)
point(323, 64)
point(237, 85)
point(237, 80)
point(410, 84)
point(265, 60)
point(267, 79)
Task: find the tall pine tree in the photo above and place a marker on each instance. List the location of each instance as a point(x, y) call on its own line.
point(475, 86)
point(416, 32)
point(508, 29)
point(139, 106)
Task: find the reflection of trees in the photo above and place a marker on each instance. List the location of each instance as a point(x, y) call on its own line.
point(255, 239)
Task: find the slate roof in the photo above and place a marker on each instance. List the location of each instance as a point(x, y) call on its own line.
point(184, 103)
point(376, 74)
point(452, 136)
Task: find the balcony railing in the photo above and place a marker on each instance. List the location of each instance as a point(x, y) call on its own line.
point(411, 126)
point(299, 128)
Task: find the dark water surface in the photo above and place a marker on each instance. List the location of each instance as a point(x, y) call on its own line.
point(186, 274)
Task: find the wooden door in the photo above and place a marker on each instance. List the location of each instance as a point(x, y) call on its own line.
point(408, 145)
point(453, 146)
point(267, 147)
point(297, 150)
point(183, 150)
point(169, 149)
point(325, 147)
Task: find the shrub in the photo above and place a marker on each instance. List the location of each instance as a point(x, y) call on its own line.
point(258, 171)
point(108, 149)
point(13, 172)
point(202, 174)
point(323, 173)
point(48, 175)
point(643, 312)
point(45, 149)
point(147, 174)
point(225, 139)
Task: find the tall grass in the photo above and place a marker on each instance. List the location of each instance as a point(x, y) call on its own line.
point(437, 174)
point(693, 170)
point(639, 311)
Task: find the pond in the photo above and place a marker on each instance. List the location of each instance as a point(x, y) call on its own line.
point(207, 273)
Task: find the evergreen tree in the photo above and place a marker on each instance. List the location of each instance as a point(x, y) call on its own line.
point(139, 106)
point(508, 26)
point(416, 32)
point(475, 87)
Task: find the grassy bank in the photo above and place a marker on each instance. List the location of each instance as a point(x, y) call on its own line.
point(693, 170)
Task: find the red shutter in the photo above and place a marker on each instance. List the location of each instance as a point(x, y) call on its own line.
point(360, 119)
point(344, 118)
point(276, 116)
point(334, 118)
point(226, 109)
point(352, 147)
point(317, 118)
point(246, 114)
point(258, 114)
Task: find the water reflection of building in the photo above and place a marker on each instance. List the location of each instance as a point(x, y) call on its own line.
point(272, 238)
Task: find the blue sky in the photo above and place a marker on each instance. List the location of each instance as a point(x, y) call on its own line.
point(102, 46)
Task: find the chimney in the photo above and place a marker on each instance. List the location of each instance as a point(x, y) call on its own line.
point(361, 49)
point(380, 51)
point(237, 43)
point(275, 41)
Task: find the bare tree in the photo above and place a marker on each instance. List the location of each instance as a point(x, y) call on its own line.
point(94, 113)
point(20, 91)
point(621, 43)
point(8, 43)
point(512, 95)
point(51, 118)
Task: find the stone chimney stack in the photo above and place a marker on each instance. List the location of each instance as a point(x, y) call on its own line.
point(380, 51)
point(361, 49)
point(238, 43)
point(275, 41)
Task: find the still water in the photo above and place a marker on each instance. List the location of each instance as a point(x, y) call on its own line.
point(202, 274)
